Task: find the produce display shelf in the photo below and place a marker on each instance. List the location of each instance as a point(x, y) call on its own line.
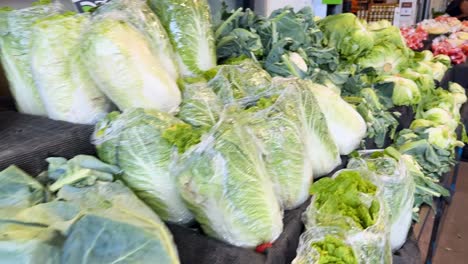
point(31, 139)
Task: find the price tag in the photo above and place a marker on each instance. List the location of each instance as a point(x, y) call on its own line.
point(88, 5)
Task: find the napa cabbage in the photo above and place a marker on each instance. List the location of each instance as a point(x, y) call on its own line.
point(134, 141)
point(346, 125)
point(188, 24)
point(122, 62)
point(281, 135)
point(225, 183)
point(67, 90)
point(139, 14)
point(303, 107)
point(15, 48)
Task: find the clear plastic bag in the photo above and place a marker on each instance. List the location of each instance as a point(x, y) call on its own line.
point(398, 190)
point(200, 106)
point(139, 14)
point(123, 63)
point(134, 141)
point(366, 229)
point(325, 245)
point(66, 89)
point(224, 182)
point(283, 142)
point(15, 47)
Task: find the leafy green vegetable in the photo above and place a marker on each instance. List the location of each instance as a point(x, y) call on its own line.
point(347, 34)
point(303, 108)
point(19, 190)
point(118, 57)
point(287, 43)
point(188, 24)
point(200, 105)
point(66, 89)
point(182, 136)
point(405, 91)
point(333, 250)
point(224, 182)
point(434, 161)
point(79, 171)
point(381, 124)
point(346, 125)
point(338, 201)
point(326, 246)
point(424, 81)
point(15, 49)
point(81, 223)
point(398, 189)
point(243, 80)
point(385, 58)
point(284, 148)
point(136, 142)
point(139, 14)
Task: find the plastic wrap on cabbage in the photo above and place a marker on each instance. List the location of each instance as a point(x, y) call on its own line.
point(135, 142)
point(350, 200)
point(347, 127)
point(398, 189)
point(200, 106)
point(325, 245)
point(67, 90)
point(285, 151)
point(82, 222)
point(225, 184)
point(188, 23)
point(302, 107)
point(15, 47)
point(139, 14)
point(244, 79)
point(347, 34)
point(122, 62)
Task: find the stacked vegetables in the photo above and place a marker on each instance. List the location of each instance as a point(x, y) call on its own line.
point(73, 219)
point(233, 145)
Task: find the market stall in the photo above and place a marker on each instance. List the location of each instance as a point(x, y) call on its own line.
point(255, 140)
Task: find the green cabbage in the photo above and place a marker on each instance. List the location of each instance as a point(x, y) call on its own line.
point(134, 141)
point(224, 182)
point(15, 48)
point(425, 82)
point(139, 14)
point(385, 58)
point(188, 23)
point(347, 34)
point(121, 61)
point(405, 91)
point(347, 127)
point(67, 91)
